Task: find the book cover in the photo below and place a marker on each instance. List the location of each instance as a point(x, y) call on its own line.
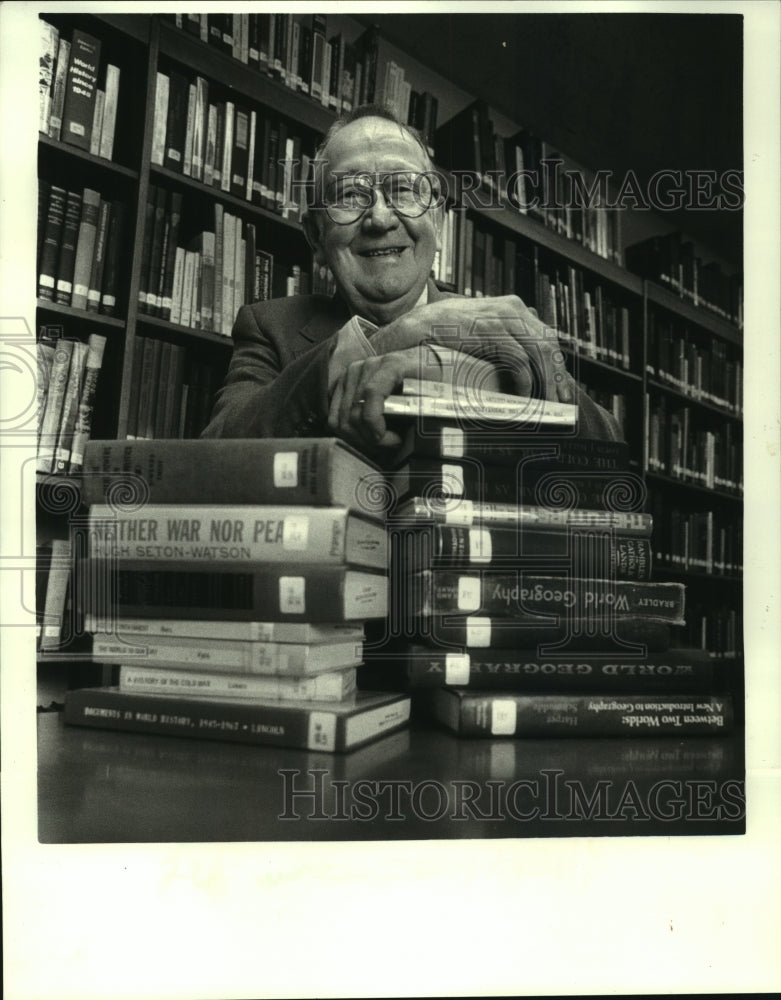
point(110, 112)
point(336, 685)
point(315, 726)
point(49, 43)
point(85, 247)
point(437, 592)
point(50, 425)
point(319, 472)
point(481, 714)
point(80, 90)
point(55, 601)
point(58, 89)
point(517, 412)
point(66, 258)
point(237, 535)
point(70, 408)
point(96, 345)
point(111, 269)
point(52, 236)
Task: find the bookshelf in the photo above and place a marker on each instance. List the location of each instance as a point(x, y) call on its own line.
point(641, 327)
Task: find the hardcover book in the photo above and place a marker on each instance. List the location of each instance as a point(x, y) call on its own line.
point(313, 726)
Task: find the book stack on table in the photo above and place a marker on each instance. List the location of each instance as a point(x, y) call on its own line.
point(521, 580)
point(230, 585)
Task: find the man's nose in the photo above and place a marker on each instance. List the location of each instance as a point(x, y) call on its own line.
point(381, 215)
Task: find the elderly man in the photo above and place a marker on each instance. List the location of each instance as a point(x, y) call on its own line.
point(312, 365)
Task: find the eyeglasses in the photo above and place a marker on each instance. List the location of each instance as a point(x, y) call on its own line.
point(408, 193)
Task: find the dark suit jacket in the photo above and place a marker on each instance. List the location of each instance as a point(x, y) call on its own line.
point(277, 383)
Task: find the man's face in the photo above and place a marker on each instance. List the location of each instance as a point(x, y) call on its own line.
point(380, 262)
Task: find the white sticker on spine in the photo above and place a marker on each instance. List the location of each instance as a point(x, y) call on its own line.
point(453, 480)
point(479, 545)
point(468, 593)
point(322, 731)
point(457, 668)
point(286, 468)
point(503, 717)
point(452, 443)
point(292, 595)
point(295, 533)
point(478, 632)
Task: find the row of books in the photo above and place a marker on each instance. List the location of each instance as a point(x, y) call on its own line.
point(678, 446)
point(68, 372)
point(80, 238)
point(171, 393)
point(672, 261)
point(53, 576)
point(588, 319)
point(715, 627)
point(240, 151)
point(705, 372)
point(614, 402)
point(297, 50)
point(707, 541)
point(523, 171)
point(72, 106)
point(473, 261)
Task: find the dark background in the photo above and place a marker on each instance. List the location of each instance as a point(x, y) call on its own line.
point(612, 91)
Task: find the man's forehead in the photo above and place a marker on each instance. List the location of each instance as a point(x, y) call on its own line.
point(369, 143)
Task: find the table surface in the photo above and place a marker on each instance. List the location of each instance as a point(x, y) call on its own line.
point(103, 786)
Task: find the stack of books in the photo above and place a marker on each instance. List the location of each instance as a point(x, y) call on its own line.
point(521, 580)
point(231, 582)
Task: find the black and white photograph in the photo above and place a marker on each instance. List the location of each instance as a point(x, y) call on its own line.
point(391, 421)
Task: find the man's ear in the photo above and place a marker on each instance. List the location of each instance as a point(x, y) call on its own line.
point(311, 225)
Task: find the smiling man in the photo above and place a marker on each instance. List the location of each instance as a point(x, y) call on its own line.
point(312, 365)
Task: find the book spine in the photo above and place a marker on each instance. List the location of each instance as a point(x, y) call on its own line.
point(110, 291)
point(67, 255)
point(81, 431)
point(466, 513)
point(484, 632)
point(524, 411)
point(237, 535)
point(587, 715)
point(60, 86)
point(80, 90)
point(524, 671)
point(45, 359)
point(160, 121)
point(99, 256)
point(49, 38)
point(287, 634)
point(85, 248)
point(110, 112)
point(332, 686)
point(56, 594)
point(443, 592)
point(308, 593)
point(54, 402)
point(55, 217)
point(264, 724)
point(70, 407)
point(626, 558)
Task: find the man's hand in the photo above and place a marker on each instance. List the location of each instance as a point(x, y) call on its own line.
point(356, 408)
point(501, 330)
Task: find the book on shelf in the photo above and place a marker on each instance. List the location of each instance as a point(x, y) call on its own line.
point(306, 593)
point(319, 472)
point(81, 89)
point(45, 350)
point(70, 408)
point(85, 247)
point(285, 633)
point(66, 259)
point(55, 400)
point(237, 535)
point(55, 601)
point(58, 88)
point(49, 43)
point(83, 423)
point(333, 686)
point(442, 592)
point(484, 714)
point(332, 727)
point(524, 670)
point(277, 659)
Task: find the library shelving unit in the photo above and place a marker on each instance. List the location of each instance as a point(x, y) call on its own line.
point(670, 370)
